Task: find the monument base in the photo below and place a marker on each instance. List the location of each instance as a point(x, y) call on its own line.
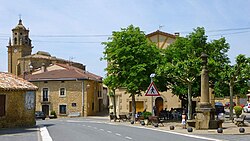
point(205, 118)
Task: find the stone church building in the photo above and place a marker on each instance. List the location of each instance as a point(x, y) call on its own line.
point(71, 92)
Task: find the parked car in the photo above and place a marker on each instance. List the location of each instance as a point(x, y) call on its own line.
point(40, 115)
point(227, 105)
point(219, 108)
point(246, 108)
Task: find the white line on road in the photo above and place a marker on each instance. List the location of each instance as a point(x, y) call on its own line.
point(95, 128)
point(191, 136)
point(45, 134)
point(83, 125)
point(102, 129)
point(109, 131)
point(128, 138)
point(89, 126)
point(117, 134)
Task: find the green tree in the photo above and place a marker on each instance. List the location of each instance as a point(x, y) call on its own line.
point(181, 63)
point(131, 59)
point(112, 83)
point(236, 74)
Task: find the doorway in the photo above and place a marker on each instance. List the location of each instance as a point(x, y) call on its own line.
point(45, 109)
point(158, 105)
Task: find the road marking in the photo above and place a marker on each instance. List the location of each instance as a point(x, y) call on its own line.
point(117, 134)
point(45, 134)
point(83, 125)
point(95, 128)
point(89, 126)
point(109, 131)
point(102, 129)
point(128, 138)
point(181, 134)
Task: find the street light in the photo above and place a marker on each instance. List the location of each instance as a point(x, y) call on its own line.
point(152, 75)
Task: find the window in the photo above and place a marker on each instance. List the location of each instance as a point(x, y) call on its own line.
point(62, 92)
point(45, 94)
point(2, 105)
point(99, 93)
point(62, 109)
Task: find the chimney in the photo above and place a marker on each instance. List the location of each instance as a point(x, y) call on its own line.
point(43, 68)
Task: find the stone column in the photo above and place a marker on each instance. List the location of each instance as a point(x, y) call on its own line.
point(204, 110)
point(204, 83)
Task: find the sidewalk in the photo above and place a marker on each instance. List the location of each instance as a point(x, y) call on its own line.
point(228, 128)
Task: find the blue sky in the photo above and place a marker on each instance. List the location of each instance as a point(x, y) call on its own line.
point(100, 17)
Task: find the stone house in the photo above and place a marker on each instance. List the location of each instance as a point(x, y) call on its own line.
point(17, 101)
point(22, 62)
point(67, 90)
point(166, 100)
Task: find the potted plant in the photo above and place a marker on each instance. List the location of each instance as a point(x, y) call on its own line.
point(52, 115)
point(238, 111)
point(145, 116)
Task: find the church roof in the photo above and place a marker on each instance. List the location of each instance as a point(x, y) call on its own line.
point(10, 81)
point(68, 73)
point(20, 25)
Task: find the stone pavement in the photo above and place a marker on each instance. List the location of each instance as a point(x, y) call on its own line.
point(229, 128)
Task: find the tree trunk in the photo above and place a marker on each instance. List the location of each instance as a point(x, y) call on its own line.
point(189, 101)
point(231, 85)
point(114, 102)
point(133, 107)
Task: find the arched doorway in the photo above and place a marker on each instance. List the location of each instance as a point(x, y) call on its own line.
point(158, 104)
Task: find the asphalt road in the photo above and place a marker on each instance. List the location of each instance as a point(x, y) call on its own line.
point(92, 130)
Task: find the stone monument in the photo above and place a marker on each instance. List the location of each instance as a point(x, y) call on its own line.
point(205, 113)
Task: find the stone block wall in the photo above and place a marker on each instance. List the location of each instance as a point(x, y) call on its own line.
point(74, 91)
point(16, 114)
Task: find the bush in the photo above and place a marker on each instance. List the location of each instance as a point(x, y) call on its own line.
point(238, 110)
point(146, 114)
point(53, 113)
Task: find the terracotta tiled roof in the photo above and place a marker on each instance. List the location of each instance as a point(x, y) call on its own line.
point(12, 82)
point(69, 73)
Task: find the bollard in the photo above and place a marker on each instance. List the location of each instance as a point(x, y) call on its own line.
point(189, 129)
point(171, 127)
point(219, 130)
point(242, 130)
point(132, 122)
point(142, 122)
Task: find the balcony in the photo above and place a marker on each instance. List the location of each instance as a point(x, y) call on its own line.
point(45, 101)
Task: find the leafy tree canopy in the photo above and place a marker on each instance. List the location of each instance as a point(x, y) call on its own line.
point(131, 59)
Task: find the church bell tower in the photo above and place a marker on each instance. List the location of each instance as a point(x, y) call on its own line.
point(19, 46)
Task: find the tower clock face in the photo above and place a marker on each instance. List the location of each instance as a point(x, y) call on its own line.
point(15, 50)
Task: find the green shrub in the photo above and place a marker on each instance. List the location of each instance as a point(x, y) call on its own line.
point(238, 110)
point(146, 114)
point(53, 113)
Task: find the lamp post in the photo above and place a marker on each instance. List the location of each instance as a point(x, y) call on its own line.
point(152, 99)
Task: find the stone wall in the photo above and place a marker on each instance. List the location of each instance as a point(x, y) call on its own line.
point(123, 101)
point(16, 115)
point(73, 95)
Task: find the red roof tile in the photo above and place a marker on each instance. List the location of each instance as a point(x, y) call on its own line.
point(69, 73)
point(12, 82)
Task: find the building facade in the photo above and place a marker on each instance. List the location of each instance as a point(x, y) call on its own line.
point(67, 90)
point(17, 101)
point(64, 86)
